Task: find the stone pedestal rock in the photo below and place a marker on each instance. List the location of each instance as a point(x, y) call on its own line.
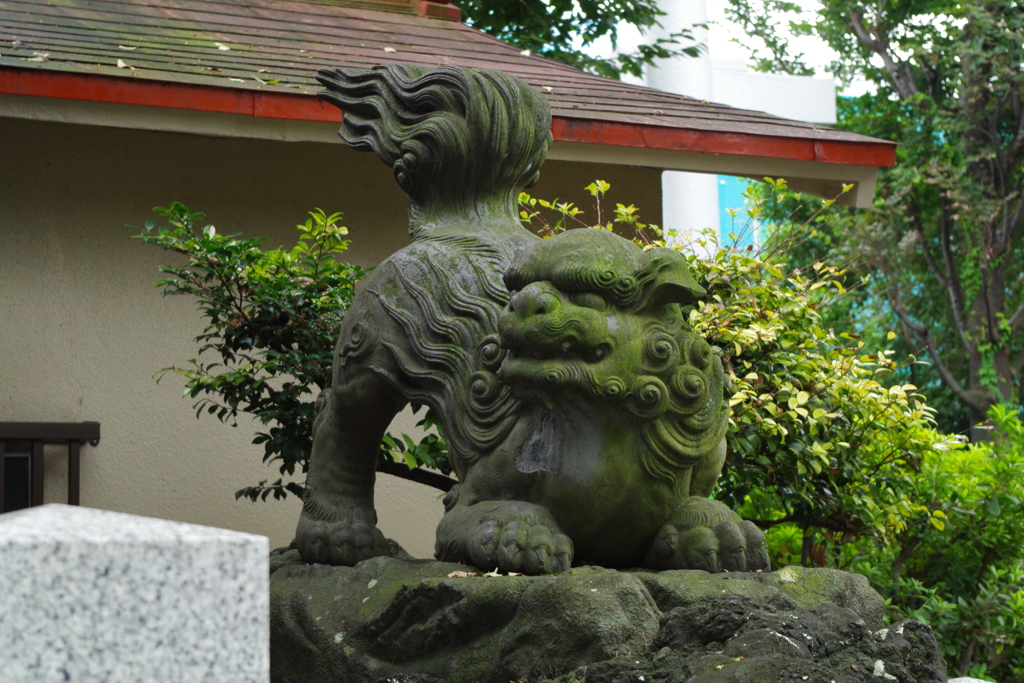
point(422, 621)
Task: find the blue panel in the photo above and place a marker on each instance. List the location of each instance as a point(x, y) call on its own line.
point(730, 196)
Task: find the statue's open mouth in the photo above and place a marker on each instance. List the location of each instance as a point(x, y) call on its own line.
point(561, 338)
point(567, 350)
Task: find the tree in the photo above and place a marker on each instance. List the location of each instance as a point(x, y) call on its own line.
point(563, 29)
point(944, 238)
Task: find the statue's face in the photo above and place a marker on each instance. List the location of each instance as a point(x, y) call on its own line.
point(594, 325)
point(564, 344)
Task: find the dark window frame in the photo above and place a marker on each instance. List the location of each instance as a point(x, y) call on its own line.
point(74, 434)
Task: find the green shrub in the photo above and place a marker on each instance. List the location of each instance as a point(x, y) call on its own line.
point(272, 321)
point(965, 577)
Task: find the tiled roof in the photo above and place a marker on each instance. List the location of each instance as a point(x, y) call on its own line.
point(275, 46)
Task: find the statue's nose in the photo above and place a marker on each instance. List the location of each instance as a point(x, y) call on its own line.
point(533, 300)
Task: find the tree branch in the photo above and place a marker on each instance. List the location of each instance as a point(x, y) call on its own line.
point(897, 565)
point(904, 82)
point(418, 475)
point(1011, 224)
point(1016, 321)
point(921, 333)
point(955, 291)
point(1016, 145)
point(930, 258)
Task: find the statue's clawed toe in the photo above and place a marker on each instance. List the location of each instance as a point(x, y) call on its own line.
point(339, 543)
point(509, 536)
point(520, 547)
point(705, 534)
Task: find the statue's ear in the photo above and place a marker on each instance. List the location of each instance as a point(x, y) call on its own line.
point(668, 280)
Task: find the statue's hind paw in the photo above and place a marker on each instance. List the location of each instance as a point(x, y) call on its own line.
point(705, 534)
point(339, 543)
point(507, 536)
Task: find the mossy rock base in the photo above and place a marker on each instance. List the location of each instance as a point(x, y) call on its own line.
point(410, 621)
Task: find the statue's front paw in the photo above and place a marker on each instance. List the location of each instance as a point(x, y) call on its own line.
point(705, 534)
point(515, 546)
point(510, 536)
point(339, 543)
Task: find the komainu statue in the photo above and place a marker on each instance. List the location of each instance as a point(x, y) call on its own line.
point(584, 419)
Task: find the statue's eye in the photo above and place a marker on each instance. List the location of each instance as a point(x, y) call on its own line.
point(588, 300)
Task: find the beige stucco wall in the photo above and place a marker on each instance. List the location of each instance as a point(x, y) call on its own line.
point(83, 330)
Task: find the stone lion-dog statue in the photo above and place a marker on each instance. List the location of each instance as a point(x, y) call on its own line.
point(584, 419)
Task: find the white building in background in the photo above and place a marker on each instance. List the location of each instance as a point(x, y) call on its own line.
point(692, 202)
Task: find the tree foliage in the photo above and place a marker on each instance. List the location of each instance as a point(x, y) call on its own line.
point(944, 239)
point(564, 29)
point(965, 575)
point(272, 319)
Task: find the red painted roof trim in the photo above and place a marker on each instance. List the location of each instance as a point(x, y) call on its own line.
point(95, 88)
point(715, 142)
point(283, 105)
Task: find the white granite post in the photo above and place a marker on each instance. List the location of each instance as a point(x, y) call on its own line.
point(91, 596)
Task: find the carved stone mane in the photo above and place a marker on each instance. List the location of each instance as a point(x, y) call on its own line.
point(483, 134)
point(486, 134)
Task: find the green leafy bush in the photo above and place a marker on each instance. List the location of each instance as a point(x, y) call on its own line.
point(965, 577)
point(272, 321)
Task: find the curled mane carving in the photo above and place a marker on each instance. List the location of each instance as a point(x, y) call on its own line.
point(463, 144)
point(483, 132)
point(684, 379)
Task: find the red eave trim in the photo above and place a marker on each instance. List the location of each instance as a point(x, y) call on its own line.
point(716, 142)
point(96, 88)
point(278, 105)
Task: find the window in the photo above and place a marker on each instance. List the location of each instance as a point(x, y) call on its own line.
point(17, 475)
point(21, 457)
